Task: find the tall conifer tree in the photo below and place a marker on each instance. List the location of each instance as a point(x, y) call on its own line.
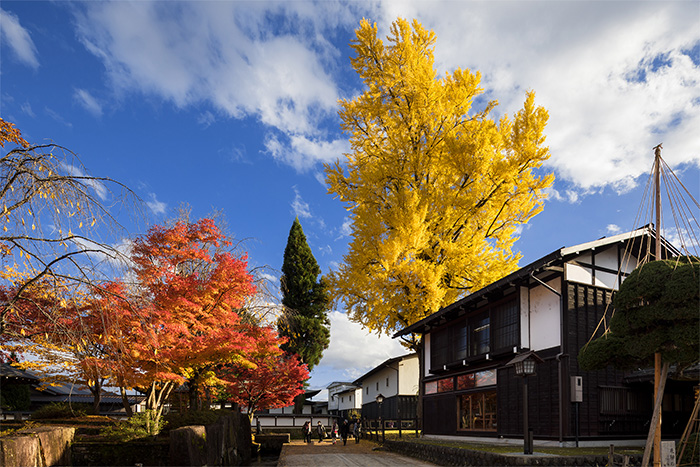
point(306, 299)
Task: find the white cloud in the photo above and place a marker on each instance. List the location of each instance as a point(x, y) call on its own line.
point(616, 77)
point(613, 229)
point(299, 206)
point(320, 178)
point(57, 117)
point(346, 228)
point(99, 188)
point(88, 102)
point(206, 119)
point(570, 196)
point(302, 153)
point(116, 255)
point(269, 277)
point(27, 109)
point(352, 351)
point(18, 39)
point(225, 54)
point(157, 207)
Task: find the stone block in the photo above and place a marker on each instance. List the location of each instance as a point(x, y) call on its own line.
point(668, 454)
point(20, 451)
point(188, 446)
point(272, 442)
point(55, 443)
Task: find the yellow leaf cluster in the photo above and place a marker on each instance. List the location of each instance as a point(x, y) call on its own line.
point(436, 190)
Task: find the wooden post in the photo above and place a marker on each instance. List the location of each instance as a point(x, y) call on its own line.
point(655, 416)
point(657, 409)
point(657, 355)
point(611, 455)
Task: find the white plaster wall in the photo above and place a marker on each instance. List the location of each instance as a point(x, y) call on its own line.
point(332, 403)
point(345, 402)
point(290, 410)
point(335, 390)
point(629, 263)
point(607, 258)
point(576, 273)
point(426, 354)
point(606, 279)
point(524, 322)
point(379, 377)
point(545, 318)
point(408, 376)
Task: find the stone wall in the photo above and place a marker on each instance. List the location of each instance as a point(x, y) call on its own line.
point(146, 453)
point(445, 455)
point(226, 442)
point(272, 442)
point(40, 446)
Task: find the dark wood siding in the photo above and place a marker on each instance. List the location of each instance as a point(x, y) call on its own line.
point(440, 415)
point(585, 306)
point(543, 400)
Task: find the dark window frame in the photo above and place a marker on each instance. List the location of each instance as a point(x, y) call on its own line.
point(494, 328)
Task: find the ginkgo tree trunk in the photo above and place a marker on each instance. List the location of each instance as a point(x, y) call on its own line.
point(436, 188)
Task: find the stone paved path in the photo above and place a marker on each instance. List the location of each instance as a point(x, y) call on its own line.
point(365, 454)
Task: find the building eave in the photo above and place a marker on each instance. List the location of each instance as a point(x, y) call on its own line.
point(422, 326)
point(555, 258)
point(383, 365)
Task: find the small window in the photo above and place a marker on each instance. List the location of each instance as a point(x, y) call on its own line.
point(377, 385)
point(387, 382)
point(349, 398)
point(342, 399)
point(367, 390)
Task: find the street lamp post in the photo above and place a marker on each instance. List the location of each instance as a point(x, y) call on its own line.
point(525, 366)
point(380, 400)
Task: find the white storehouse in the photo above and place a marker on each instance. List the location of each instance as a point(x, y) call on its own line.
point(396, 380)
point(342, 397)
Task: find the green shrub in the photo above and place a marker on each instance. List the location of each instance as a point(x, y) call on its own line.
point(15, 396)
point(200, 417)
point(59, 410)
point(140, 425)
point(691, 455)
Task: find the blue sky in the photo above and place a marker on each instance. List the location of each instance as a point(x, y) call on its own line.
point(233, 106)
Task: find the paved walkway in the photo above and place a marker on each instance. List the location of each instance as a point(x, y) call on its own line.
point(365, 454)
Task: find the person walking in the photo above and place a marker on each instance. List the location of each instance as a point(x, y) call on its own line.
point(306, 430)
point(334, 431)
point(321, 431)
point(357, 430)
point(345, 431)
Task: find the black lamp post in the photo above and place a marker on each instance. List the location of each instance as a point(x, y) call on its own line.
point(380, 400)
point(525, 366)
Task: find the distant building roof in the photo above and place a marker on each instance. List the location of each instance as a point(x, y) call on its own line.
point(10, 372)
point(383, 365)
point(339, 383)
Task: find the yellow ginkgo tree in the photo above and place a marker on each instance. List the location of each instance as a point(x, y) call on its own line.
point(436, 189)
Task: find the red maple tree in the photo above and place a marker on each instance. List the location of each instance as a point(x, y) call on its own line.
point(268, 379)
point(181, 321)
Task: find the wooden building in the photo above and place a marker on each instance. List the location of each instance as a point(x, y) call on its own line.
point(552, 306)
point(396, 379)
